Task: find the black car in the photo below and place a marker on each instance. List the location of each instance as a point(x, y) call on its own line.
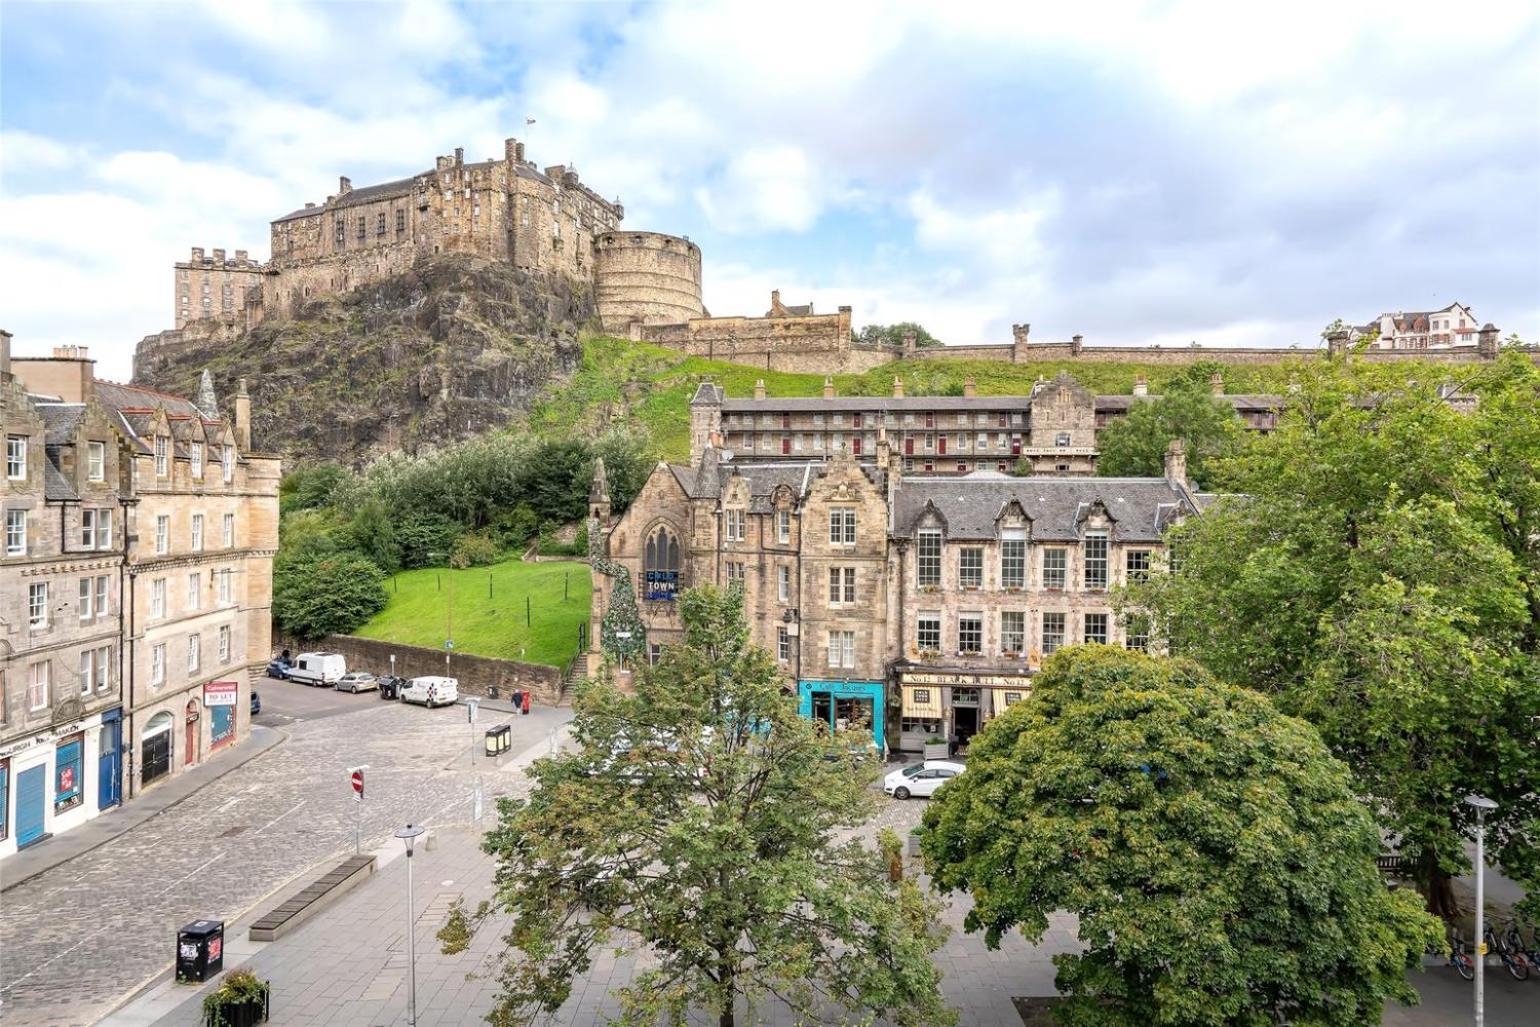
point(390, 687)
point(278, 669)
point(256, 703)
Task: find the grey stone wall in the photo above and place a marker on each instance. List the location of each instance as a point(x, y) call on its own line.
point(478, 675)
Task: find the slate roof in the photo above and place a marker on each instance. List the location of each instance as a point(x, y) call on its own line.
point(59, 421)
point(1239, 400)
point(708, 480)
point(55, 487)
point(353, 197)
point(840, 404)
point(1141, 508)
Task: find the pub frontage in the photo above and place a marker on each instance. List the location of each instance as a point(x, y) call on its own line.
point(952, 703)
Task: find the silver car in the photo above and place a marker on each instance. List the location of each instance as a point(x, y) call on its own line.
point(357, 681)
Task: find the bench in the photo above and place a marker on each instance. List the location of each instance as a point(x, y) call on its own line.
point(296, 909)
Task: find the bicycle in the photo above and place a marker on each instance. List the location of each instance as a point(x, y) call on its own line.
point(1515, 939)
point(1514, 962)
point(1460, 959)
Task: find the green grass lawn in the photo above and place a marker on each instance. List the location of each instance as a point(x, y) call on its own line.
point(489, 625)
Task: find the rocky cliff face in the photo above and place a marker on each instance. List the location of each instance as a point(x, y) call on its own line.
point(449, 349)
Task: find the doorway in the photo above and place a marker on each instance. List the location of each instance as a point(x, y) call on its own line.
point(190, 753)
point(155, 749)
point(965, 723)
point(109, 766)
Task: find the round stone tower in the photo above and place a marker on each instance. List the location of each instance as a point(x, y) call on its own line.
point(645, 278)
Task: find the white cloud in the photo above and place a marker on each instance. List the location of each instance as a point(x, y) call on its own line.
point(765, 189)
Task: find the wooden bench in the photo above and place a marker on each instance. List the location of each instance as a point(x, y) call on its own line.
point(295, 910)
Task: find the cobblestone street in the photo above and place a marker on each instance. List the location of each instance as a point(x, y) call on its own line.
point(78, 939)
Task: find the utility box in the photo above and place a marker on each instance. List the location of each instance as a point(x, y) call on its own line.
point(200, 950)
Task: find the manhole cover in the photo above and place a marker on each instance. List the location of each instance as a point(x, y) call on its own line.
point(233, 831)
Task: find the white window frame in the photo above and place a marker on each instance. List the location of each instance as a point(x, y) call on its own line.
point(195, 456)
point(1096, 564)
point(87, 670)
point(37, 605)
point(1019, 631)
point(1054, 640)
point(158, 598)
point(194, 652)
point(84, 598)
point(195, 590)
point(782, 645)
point(226, 586)
point(162, 456)
point(842, 526)
point(229, 464)
point(928, 622)
point(15, 532)
point(158, 664)
point(197, 533)
point(972, 617)
point(16, 457)
point(96, 461)
point(162, 534)
point(783, 526)
point(37, 686)
point(783, 583)
point(104, 668)
point(1056, 577)
point(970, 573)
point(842, 649)
point(1106, 630)
point(842, 586)
point(103, 584)
point(1013, 559)
point(228, 528)
point(927, 566)
point(224, 643)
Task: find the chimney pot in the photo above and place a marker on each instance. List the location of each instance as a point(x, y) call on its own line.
point(1216, 383)
point(1141, 386)
point(970, 387)
point(1176, 461)
point(898, 387)
point(759, 389)
point(344, 185)
point(828, 387)
point(459, 155)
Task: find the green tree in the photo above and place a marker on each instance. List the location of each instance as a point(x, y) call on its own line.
point(308, 487)
point(425, 538)
point(320, 594)
point(697, 822)
point(1135, 445)
point(1381, 578)
point(892, 336)
point(1219, 863)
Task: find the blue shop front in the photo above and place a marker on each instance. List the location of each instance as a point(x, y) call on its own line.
point(844, 705)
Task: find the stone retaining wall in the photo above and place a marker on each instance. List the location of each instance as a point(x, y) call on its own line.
point(478, 675)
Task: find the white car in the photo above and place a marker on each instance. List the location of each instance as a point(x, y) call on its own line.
point(432, 691)
point(920, 779)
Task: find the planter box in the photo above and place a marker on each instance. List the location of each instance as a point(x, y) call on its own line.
point(246, 1013)
point(938, 751)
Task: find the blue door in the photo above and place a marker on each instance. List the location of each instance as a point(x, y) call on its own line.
point(109, 766)
point(31, 793)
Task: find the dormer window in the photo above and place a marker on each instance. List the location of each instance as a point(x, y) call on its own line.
point(195, 451)
point(162, 456)
point(96, 461)
point(228, 460)
point(1013, 558)
point(928, 552)
point(1096, 561)
point(16, 457)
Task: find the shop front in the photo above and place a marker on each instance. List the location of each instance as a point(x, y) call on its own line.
point(953, 704)
point(220, 697)
point(49, 782)
point(846, 705)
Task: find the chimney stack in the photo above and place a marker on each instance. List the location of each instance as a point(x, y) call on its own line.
point(759, 389)
point(898, 387)
point(197, 254)
point(1216, 383)
point(344, 185)
point(1176, 461)
point(970, 388)
point(242, 416)
point(241, 258)
point(1075, 344)
point(219, 255)
point(1337, 341)
point(828, 387)
point(1141, 386)
point(459, 155)
point(910, 343)
point(5, 353)
point(1486, 341)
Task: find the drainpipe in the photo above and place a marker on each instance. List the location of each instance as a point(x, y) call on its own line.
point(126, 592)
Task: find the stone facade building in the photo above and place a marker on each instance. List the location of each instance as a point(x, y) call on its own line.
point(213, 288)
point(135, 588)
point(915, 606)
point(1453, 327)
point(1054, 427)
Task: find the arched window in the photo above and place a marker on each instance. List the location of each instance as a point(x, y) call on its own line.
point(661, 565)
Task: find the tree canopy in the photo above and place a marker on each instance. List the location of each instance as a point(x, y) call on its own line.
point(1135, 445)
point(702, 822)
point(1219, 863)
point(892, 336)
point(1381, 578)
point(318, 593)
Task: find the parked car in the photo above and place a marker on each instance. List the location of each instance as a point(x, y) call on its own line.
point(921, 778)
point(324, 669)
point(256, 703)
point(391, 686)
point(278, 669)
point(432, 691)
point(356, 681)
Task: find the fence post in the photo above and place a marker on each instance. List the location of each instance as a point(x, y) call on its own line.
point(526, 612)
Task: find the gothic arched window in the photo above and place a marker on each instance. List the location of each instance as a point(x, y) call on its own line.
point(661, 565)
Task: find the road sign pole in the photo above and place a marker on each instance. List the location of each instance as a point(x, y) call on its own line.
point(356, 779)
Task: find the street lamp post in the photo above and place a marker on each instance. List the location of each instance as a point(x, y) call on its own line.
point(409, 834)
point(1482, 805)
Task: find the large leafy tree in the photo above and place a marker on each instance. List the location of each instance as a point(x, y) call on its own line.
point(1135, 445)
point(1219, 863)
point(1381, 578)
point(318, 593)
point(698, 822)
point(892, 336)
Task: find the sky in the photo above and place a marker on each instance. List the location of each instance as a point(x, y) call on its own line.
point(1136, 173)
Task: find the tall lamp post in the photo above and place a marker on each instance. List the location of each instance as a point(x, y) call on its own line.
point(1482, 805)
point(409, 834)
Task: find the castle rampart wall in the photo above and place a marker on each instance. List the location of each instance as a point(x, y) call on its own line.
point(817, 343)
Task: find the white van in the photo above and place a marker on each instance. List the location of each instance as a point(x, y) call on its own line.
point(324, 669)
point(432, 691)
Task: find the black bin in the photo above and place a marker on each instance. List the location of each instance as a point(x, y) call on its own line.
point(388, 687)
point(200, 950)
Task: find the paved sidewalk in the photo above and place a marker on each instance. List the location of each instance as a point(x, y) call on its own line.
point(100, 830)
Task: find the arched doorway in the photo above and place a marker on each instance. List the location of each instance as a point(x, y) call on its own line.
point(190, 751)
point(155, 748)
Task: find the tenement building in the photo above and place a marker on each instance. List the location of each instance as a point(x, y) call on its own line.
point(912, 605)
point(1052, 430)
point(135, 588)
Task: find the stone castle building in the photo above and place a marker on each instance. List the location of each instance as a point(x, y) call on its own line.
point(909, 605)
point(135, 587)
point(1054, 428)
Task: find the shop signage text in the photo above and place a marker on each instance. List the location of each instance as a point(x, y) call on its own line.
point(220, 693)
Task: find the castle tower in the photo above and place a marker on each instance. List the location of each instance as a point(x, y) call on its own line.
point(646, 278)
point(599, 498)
point(705, 418)
point(206, 402)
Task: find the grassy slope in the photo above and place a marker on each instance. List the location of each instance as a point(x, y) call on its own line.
point(489, 627)
point(622, 380)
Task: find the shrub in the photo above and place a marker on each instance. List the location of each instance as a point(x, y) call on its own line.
point(425, 538)
point(475, 549)
point(315, 595)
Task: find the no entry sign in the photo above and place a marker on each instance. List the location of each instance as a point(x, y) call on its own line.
point(358, 783)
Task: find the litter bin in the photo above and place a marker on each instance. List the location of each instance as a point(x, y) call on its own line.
point(505, 739)
point(499, 740)
point(200, 950)
point(492, 740)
